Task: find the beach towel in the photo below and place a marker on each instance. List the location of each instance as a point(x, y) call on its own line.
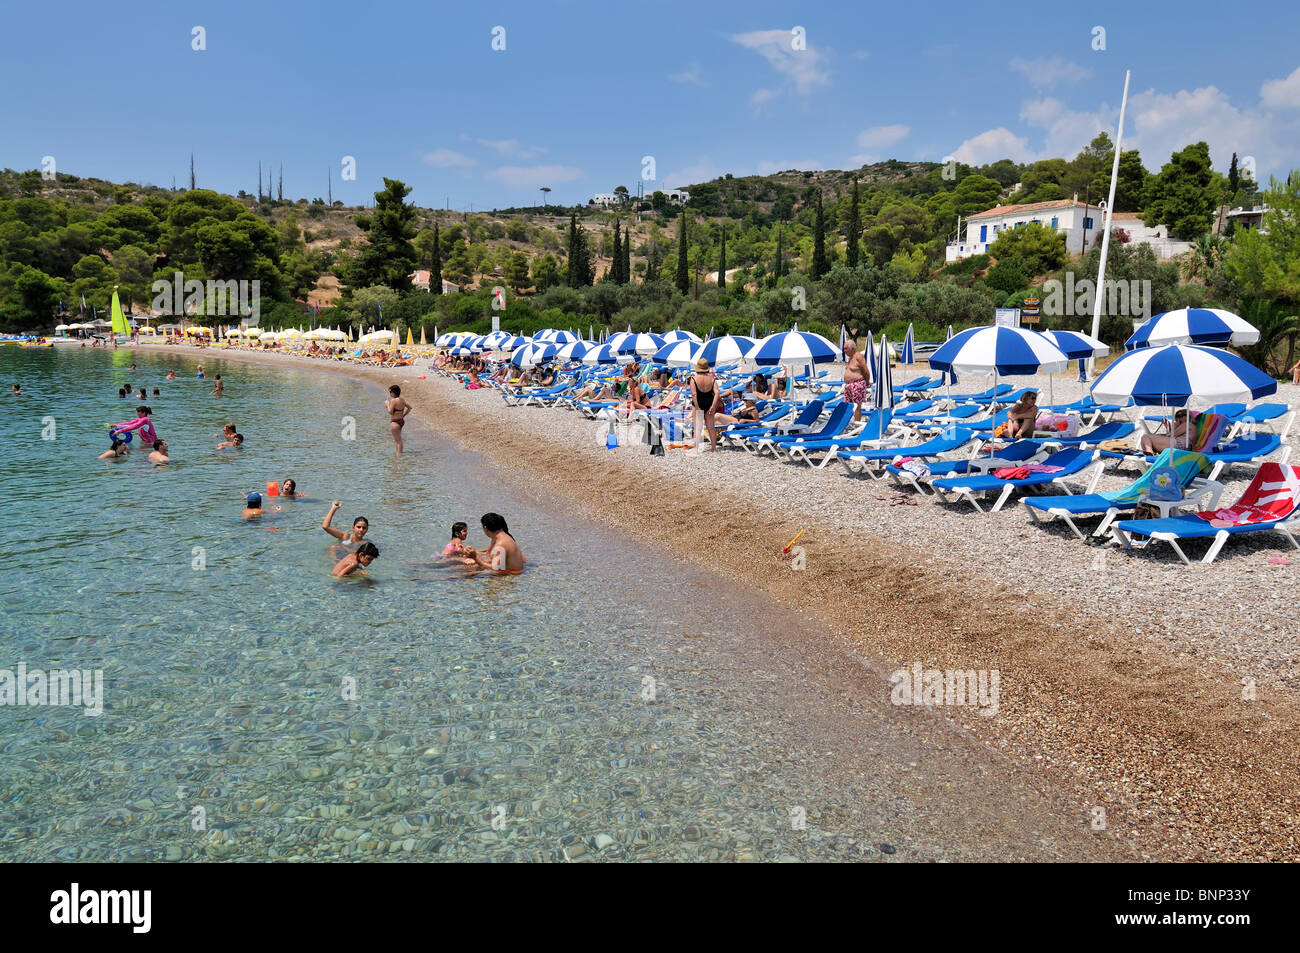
point(1271, 496)
point(1207, 430)
point(1186, 463)
point(1011, 473)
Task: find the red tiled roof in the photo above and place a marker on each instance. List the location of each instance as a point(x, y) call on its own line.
point(1030, 207)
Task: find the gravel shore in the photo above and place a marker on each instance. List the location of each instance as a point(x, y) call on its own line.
point(1161, 695)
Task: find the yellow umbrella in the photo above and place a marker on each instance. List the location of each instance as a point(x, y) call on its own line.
point(409, 340)
point(422, 341)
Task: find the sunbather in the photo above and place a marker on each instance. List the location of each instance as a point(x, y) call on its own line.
point(1021, 417)
point(1153, 443)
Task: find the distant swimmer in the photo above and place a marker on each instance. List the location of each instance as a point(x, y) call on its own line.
point(200, 372)
point(216, 391)
point(236, 440)
point(159, 454)
point(253, 506)
point(504, 554)
point(18, 391)
point(359, 527)
point(115, 452)
point(398, 407)
point(157, 392)
point(132, 365)
point(354, 562)
point(171, 375)
point(227, 431)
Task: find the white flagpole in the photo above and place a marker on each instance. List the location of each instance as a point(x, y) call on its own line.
point(1110, 207)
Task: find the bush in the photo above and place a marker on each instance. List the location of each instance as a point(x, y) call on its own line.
point(1006, 276)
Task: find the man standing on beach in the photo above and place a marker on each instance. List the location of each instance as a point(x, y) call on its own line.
point(857, 377)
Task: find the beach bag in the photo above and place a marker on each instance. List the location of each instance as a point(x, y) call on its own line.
point(1145, 511)
point(1165, 484)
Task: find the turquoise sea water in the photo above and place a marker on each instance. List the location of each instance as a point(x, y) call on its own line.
point(478, 698)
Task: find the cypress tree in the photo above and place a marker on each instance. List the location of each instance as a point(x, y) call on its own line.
point(854, 231)
point(819, 242)
point(1234, 177)
point(616, 267)
point(580, 271)
point(627, 256)
point(435, 269)
point(722, 260)
point(683, 272)
point(571, 276)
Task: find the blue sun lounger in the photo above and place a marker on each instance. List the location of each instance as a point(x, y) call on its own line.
point(1115, 430)
point(836, 422)
point(865, 461)
point(1071, 460)
point(1022, 451)
point(738, 435)
point(1109, 505)
point(1270, 503)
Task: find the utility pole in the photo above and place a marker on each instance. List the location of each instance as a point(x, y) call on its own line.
point(259, 180)
point(280, 187)
point(330, 187)
point(191, 171)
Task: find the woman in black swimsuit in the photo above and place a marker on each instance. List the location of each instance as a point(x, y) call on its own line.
point(704, 391)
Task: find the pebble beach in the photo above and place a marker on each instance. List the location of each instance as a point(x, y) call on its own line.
point(1156, 699)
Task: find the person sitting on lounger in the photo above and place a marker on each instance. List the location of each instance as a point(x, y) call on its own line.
point(1022, 416)
point(748, 413)
point(636, 398)
point(1153, 443)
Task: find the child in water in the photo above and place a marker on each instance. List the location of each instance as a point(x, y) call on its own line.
point(236, 440)
point(141, 423)
point(216, 391)
point(459, 533)
point(354, 562)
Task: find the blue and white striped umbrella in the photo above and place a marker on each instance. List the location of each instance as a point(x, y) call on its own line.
point(493, 340)
point(844, 336)
point(574, 351)
point(870, 351)
point(606, 354)
point(884, 385)
point(640, 344)
point(539, 352)
point(560, 338)
point(450, 339)
point(1172, 375)
point(678, 353)
point(1076, 345)
point(794, 347)
point(908, 356)
point(461, 351)
point(1193, 326)
point(1001, 350)
point(514, 343)
point(617, 339)
point(545, 334)
point(949, 378)
point(474, 342)
point(680, 335)
point(726, 350)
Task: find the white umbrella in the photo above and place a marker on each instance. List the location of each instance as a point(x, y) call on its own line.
point(376, 337)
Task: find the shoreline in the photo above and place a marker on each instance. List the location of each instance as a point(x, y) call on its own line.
point(1093, 708)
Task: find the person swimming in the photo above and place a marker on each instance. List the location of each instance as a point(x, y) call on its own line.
point(289, 489)
point(200, 372)
point(459, 533)
point(157, 392)
point(159, 454)
point(117, 451)
point(236, 440)
point(171, 375)
point(360, 526)
point(253, 506)
point(354, 562)
point(503, 555)
point(216, 391)
point(18, 391)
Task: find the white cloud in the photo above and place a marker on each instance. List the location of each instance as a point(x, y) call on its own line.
point(447, 159)
point(691, 76)
point(804, 69)
point(509, 148)
point(702, 170)
point(1041, 112)
point(877, 138)
point(994, 144)
point(1282, 93)
point(760, 96)
point(1046, 73)
point(534, 176)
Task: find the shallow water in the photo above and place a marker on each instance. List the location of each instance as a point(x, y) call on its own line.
point(608, 703)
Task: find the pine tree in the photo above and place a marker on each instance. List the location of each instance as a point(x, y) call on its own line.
point(778, 264)
point(683, 272)
point(1234, 177)
point(435, 270)
point(722, 260)
point(819, 242)
point(616, 267)
point(854, 230)
point(192, 185)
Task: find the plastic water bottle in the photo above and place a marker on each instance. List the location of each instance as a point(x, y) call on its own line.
point(611, 439)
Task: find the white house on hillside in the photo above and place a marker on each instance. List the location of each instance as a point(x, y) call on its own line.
point(420, 278)
point(678, 196)
point(607, 199)
point(1080, 223)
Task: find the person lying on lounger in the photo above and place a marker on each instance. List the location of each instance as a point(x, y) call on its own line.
point(748, 413)
point(1021, 417)
point(1153, 443)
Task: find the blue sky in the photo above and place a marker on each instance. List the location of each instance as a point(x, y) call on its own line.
point(582, 91)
